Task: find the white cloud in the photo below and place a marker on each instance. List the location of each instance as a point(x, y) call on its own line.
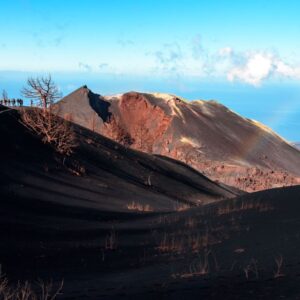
point(257, 68)
point(287, 71)
point(169, 59)
point(251, 67)
point(84, 66)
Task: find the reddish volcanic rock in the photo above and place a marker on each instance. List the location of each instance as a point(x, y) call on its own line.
point(204, 134)
point(137, 122)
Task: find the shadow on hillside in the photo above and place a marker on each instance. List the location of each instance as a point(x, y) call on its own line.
point(100, 106)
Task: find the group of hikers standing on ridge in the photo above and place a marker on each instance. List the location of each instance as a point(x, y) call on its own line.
point(5, 100)
point(11, 102)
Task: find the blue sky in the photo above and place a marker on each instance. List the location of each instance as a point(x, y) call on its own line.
point(245, 54)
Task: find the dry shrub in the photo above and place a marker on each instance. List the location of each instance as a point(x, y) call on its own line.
point(251, 268)
point(77, 170)
point(52, 129)
point(176, 243)
point(25, 291)
point(139, 207)
point(111, 240)
point(201, 266)
point(171, 244)
point(245, 205)
point(205, 263)
point(279, 263)
point(182, 206)
point(198, 242)
point(191, 223)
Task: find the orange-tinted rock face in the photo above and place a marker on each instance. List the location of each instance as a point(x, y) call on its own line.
point(203, 134)
point(137, 123)
point(246, 178)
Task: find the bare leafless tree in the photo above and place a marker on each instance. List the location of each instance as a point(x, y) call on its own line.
point(26, 291)
point(51, 128)
point(42, 89)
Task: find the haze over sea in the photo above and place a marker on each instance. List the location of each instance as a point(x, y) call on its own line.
point(276, 105)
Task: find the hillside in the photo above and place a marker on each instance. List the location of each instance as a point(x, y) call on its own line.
point(248, 246)
point(68, 218)
point(204, 134)
point(101, 174)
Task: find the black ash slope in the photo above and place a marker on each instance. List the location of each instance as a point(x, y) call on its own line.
point(112, 176)
point(42, 201)
point(57, 225)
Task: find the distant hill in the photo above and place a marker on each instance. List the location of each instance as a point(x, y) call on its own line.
point(297, 145)
point(204, 134)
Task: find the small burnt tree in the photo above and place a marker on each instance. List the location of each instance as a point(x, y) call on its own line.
point(51, 128)
point(43, 90)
